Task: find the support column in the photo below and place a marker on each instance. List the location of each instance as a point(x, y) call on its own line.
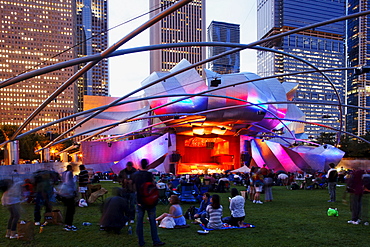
point(64, 157)
point(12, 153)
point(46, 155)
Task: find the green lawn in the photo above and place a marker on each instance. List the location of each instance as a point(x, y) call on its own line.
point(294, 218)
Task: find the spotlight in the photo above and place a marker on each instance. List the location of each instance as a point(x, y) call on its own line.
point(215, 82)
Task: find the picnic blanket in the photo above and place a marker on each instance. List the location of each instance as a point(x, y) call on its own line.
point(227, 226)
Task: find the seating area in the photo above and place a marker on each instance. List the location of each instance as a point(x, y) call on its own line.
point(95, 192)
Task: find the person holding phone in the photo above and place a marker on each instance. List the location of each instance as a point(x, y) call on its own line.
point(237, 209)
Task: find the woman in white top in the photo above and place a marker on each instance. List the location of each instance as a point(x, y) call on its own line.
point(237, 209)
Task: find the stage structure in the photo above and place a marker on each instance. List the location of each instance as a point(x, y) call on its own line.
point(210, 132)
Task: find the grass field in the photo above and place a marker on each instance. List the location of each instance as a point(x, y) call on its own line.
point(294, 218)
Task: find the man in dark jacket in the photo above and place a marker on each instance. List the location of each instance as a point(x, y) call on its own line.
point(128, 186)
point(140, 178)
point(114, 209)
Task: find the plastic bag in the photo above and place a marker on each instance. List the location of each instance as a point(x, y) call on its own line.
point(167, 222)
point(332, 212)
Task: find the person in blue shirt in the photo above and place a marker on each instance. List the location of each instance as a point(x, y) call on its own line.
point(201, 211)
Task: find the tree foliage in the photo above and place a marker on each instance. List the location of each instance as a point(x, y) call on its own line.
point(30, 143)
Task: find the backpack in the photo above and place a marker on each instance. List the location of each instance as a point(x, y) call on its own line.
point(149, 194)
point(190, 213)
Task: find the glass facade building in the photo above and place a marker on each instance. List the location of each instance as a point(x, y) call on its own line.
point(35, 34)
point(185, 25)
point(358, 84)
point(323, 47)
point(92, 24)
point(224, 32)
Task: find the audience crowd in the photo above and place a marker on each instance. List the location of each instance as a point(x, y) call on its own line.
point(129, 202)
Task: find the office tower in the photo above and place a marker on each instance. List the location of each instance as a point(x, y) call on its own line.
point(35, 34)
point(358, 40)
point(185, 25)
point(92, 38)
point(322, 46)
point(224, 32)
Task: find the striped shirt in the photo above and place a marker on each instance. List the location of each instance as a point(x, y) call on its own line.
point(214, 217)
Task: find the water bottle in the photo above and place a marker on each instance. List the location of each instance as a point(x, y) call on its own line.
point(86, 224)
point(129, 230)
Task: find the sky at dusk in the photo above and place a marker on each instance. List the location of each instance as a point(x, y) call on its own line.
point(127, 71)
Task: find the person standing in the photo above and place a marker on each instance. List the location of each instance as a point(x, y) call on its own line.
point(258, 185)
point(139, 178)
point(355, 188)
point(128, 186)
point(365, 198)
point(68, 194)
point(44, 191)
point(11, 199)
point(83, 180)
point(332, 178)
point(268, 182)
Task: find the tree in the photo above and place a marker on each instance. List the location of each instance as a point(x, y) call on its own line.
point(355, 147)
point(326, 138)
point(30, 143)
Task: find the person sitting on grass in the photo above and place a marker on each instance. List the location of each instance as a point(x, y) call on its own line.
point(214, 214)
point(175, 213)
point(236, 208)
point(201, 211)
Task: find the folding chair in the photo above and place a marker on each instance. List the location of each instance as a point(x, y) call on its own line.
point(187, 193)
point(163, 197)
point(95, 193)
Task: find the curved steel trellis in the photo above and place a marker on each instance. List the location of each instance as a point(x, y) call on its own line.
point(103, 55)
point(281, 35)
point(150, 22)
point(198, 94)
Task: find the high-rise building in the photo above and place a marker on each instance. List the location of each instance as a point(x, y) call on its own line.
point(358, 84)
point(185, 25)
point(224, 32)
point(322, 46)
point(35, 34)
point(92, 24)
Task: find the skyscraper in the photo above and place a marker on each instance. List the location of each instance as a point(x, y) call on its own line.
point(92, 38)
point(35, 34)
point(358, 89)
point(323, 47)
point(224, 32)
point(185, 25)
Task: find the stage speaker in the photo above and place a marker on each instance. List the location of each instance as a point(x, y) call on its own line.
point(215, 82)
point(245, 156)
point(175, 157)
point(172, 169)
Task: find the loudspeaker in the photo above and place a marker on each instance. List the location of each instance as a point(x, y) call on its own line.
point(172, 169)
point(175, 157)
point(215, 82)
point(245, 156)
